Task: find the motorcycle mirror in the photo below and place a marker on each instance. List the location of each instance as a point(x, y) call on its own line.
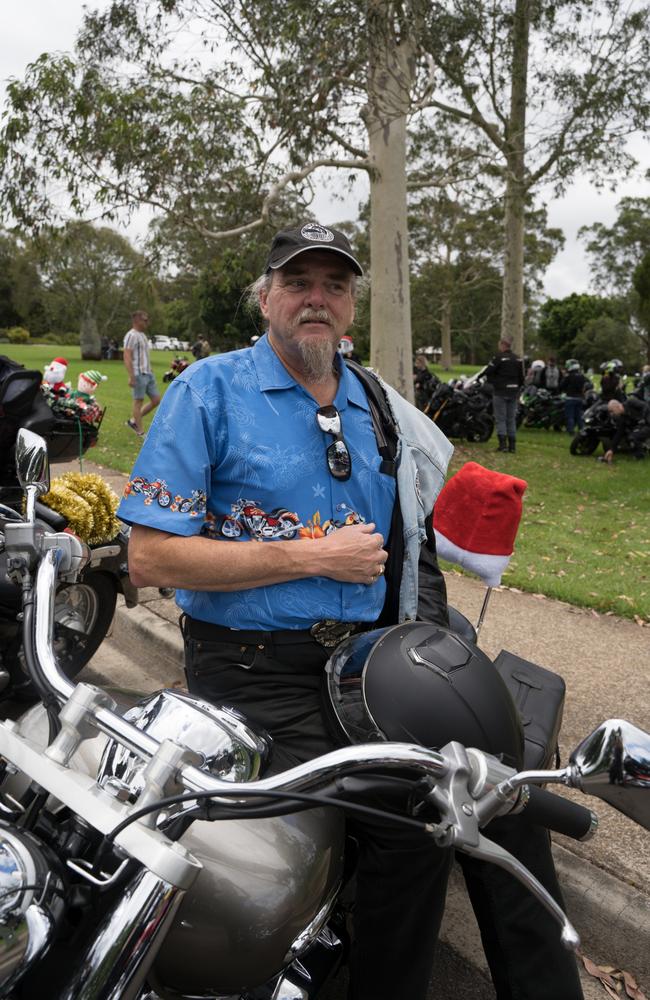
point(614, 765)
point(32, 467)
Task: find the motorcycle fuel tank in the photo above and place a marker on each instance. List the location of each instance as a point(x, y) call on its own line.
point(266, 884)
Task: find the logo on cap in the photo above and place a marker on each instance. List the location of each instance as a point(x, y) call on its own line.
point(319, 234)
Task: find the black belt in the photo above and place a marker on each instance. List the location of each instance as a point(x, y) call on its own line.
point(327, 633)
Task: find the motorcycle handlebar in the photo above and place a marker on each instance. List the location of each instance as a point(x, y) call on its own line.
point(559, 814)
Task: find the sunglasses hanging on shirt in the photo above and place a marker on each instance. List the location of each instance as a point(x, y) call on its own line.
point(339, 460)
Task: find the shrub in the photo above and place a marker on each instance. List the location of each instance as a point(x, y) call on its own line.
point(60, 338)
point(18, 335)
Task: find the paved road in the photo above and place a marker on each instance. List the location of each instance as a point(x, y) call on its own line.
point(604, 661)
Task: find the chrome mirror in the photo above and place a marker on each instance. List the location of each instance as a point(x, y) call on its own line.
point(614, 765)
point(32, 467)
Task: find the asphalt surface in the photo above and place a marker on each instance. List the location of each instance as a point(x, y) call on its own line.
point(604, 662)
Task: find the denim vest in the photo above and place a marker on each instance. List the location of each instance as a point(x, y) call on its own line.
point(423, 455)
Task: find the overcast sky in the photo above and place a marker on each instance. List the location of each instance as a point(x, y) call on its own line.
point(31, 27)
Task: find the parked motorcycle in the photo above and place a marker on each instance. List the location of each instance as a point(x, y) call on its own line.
point(177, 366)
point(599, 426)
point(145, 855)
point(83, 609)
point(461, 413)
point(538, 407)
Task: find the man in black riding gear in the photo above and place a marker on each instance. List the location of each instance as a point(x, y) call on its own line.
point(574, 385)
point(632, 420)
point(505, 373)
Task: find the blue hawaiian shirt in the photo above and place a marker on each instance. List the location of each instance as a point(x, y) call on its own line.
point(235, 453)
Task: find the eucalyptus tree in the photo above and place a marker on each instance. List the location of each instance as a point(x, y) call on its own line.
point(553, 87)
point(209, 109)
point(614, 251)
point(267, 95)
point(91, 278)
point(620, 261)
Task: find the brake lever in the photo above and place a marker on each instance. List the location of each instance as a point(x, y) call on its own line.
point(487, 850)
point(460, 828)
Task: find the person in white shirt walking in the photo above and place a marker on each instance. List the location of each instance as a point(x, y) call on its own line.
point(138, 365)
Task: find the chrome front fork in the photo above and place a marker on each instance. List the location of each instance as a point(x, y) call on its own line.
point(115, 964)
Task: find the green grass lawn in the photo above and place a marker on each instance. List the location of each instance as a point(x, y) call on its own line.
point(585, 531)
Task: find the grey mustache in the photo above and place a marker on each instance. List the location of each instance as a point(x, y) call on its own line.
point(315, 316)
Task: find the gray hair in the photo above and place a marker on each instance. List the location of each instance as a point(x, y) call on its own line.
point(262, 284)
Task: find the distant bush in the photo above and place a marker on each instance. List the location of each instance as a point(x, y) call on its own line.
point(59, 338)
point(18, 335)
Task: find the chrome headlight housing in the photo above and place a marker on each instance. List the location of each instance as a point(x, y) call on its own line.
point(231, 749)
point(31, 902)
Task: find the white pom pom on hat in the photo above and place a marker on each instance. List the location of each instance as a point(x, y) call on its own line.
point(476, 518)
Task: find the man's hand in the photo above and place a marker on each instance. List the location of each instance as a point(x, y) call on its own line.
point(352, 554)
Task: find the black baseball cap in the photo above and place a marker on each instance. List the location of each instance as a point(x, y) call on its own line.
point(288, 243)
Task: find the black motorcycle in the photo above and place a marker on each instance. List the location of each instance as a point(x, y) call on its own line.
point(600, 426)
point(538, 407)
point(83, 610)
point(461, 413)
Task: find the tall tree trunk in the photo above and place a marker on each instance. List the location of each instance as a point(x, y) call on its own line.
point(512, 314)
point(89, 339)
point(390, 76)
point(445, 329)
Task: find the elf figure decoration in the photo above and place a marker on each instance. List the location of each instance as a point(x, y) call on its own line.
point(87, 383)
point(475, 521)
point(80, 403)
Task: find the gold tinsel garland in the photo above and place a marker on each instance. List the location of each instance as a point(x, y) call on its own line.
point(88, 503)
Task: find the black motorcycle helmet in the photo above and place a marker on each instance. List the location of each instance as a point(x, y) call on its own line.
point(420, 683)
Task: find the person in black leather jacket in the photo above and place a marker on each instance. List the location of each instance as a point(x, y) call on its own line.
point(632, 420)
point(574, 385)
point(505, 373)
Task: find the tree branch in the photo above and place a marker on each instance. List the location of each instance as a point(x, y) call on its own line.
point(292, 176)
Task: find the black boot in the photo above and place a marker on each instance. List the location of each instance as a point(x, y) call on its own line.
point(503, 443)
point(511, 444)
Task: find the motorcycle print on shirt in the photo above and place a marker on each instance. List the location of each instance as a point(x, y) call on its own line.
point(157, 490)
point(245, 517)
point(317, 529)
point(248, 516)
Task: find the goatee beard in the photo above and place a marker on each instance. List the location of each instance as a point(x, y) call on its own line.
point(317, 357)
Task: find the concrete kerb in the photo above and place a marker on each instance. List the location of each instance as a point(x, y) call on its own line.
point(148, 639)
point(609, 914)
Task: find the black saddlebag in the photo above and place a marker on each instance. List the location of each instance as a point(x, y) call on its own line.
point(539, 697)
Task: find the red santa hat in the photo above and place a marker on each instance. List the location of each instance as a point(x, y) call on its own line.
point(475, 520)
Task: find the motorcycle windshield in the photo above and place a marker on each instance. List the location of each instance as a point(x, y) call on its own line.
point(345, 675)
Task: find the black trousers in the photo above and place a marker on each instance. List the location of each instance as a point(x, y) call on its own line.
point(401, 875)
